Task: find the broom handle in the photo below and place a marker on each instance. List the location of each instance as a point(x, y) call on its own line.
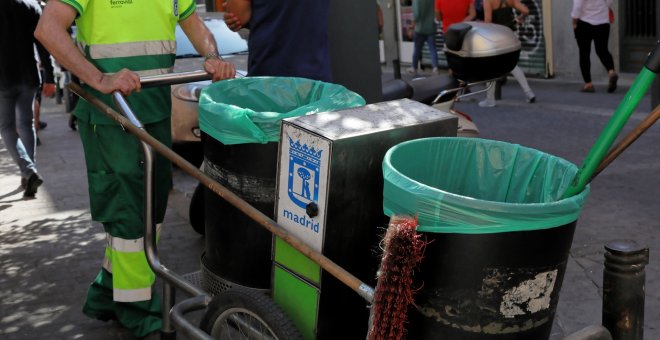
point(628, 140)
point(364, 290)
point(616, 123)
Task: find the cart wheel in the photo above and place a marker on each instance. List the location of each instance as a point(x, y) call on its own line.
point(240, 313)
point(196, 210)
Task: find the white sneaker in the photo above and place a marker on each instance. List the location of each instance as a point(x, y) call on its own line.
point(434, 70)
point(487, 103)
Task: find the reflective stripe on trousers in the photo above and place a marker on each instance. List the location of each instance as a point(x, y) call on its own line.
point(131, 276)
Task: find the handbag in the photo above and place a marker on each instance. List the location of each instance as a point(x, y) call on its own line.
point(611, 13)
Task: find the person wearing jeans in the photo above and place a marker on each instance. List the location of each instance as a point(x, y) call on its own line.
point(19, 83)
point(424, 24)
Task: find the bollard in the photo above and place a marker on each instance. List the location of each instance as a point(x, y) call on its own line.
point(623, 289)
point(396, 65)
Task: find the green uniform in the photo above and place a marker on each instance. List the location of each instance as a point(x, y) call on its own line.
point(137, 35)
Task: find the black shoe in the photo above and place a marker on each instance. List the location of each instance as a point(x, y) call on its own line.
point(23, 182)
point(42, 125)
point(611, 84)
point(32, 184)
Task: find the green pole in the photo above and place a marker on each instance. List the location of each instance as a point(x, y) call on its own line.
point(611, 131)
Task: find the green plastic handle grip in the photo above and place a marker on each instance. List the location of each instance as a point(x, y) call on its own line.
point(611, 131)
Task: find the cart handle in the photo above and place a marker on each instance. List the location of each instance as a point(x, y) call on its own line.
point(364, 290)
point(174, 78)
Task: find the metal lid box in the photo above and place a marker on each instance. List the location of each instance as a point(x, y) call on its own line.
point(480, 51)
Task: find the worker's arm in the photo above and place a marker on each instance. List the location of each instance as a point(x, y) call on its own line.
point(52, 33)
point(237, 14)
point(204, 42)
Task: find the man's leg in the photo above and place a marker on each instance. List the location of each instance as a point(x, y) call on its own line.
point(116, 199)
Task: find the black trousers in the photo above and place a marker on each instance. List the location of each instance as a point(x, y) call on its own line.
point(585, 33)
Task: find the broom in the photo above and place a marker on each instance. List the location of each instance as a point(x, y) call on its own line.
point(403, 249)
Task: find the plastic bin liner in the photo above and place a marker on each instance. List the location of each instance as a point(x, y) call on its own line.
point(250, 110)
point(475, 186)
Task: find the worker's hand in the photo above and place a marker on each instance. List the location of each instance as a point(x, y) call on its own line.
point(48, 90)
point(219, 68)
point(125, 81)
point(232, 21)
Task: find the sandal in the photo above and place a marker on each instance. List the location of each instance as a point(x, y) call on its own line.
point(588, 89)
point(611, 85)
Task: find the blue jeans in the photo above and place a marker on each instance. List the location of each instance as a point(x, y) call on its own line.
point(419, 41)
point(17, 127)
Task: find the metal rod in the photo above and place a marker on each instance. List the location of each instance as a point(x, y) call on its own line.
point(185, 327)
point(628, 140)
point(169, 299)
point(623, 289)
point(174, 78)
point(332, 268)
point(443, 93)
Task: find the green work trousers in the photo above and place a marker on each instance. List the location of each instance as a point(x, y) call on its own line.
point(115, 175)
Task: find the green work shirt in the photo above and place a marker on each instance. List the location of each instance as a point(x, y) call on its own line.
point(135, 34)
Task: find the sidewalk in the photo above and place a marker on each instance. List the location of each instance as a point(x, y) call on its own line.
point(50, 250)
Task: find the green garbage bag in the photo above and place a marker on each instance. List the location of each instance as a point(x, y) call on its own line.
point(250, 110)
point(478, 186)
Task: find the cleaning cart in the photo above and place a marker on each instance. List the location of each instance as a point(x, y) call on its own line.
point(241, 313)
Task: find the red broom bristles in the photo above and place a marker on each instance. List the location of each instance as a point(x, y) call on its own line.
point(403, 249)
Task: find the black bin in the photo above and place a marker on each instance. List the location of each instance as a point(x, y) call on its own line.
point(499, 235)
point(240, 121)
point(237, 249)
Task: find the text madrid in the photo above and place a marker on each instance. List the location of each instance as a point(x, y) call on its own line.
point(302, 220)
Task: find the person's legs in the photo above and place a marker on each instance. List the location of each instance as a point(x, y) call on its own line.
point(430, 41)
point(601, 38)
point(490, 96)
point(583, 36)
point(418, 43)
point(520, 78)
point(25, 123)
point(15, 121)
point(123, 290)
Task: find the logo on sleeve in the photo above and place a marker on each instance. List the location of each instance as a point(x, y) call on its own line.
point(120, 3)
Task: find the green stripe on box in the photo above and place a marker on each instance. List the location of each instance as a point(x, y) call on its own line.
point(295, 261)
point(298, 299)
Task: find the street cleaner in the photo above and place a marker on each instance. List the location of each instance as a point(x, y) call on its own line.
point(117, 43)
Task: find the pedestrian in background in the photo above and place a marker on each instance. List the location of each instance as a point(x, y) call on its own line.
point(591, 22)
point(479, 8)
point(424, 28)
point(450, 12)
point(19, 85)
point(501, 12)
point(287, 38)
point(121, 41)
